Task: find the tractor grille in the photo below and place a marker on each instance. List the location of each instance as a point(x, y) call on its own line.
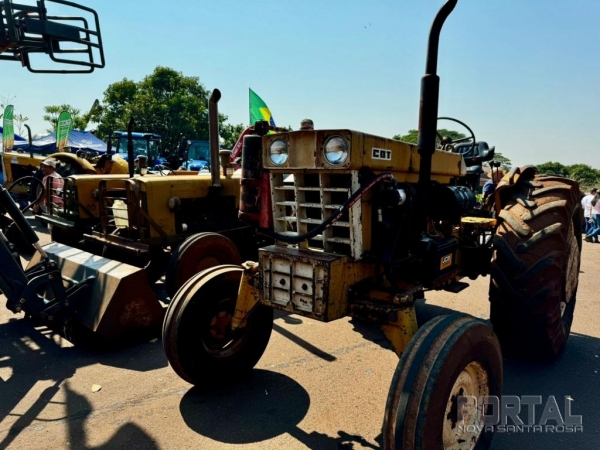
point(302, 201)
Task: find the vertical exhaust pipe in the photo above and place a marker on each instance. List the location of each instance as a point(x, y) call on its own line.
point(428, 110)
point(213, 137)
point(130, 146)
point(30, 140)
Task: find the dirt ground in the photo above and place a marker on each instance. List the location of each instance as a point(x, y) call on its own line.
point(318, 386)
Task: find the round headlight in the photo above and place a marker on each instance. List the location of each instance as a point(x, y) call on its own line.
point(336, 150)
point(278, 152)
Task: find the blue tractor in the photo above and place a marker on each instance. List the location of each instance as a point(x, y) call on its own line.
point(144, 144)
point(196, 156)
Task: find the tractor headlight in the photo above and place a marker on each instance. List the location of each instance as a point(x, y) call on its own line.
point(336, 150)
point(278, 152)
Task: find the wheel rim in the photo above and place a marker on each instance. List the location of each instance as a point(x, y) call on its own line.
point(473, 381)
point(219, 340)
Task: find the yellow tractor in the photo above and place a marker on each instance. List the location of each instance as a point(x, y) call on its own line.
point(161, 221)
point(366, 225)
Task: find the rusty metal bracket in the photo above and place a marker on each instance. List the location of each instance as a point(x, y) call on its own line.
point(248, 295)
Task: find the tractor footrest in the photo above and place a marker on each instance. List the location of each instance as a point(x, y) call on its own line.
point(456, 287)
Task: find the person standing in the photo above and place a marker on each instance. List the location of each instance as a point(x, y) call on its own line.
point(490, 185)
point(53, 181)
point(592, 234)
point(586, 205)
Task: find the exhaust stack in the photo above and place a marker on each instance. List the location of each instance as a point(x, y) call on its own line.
point(213, 137)
point(428, 111)
point(430, 90)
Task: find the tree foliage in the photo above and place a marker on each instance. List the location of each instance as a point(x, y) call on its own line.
point(52, 112)
point(585, 175)
point(505, 162)
point(412, 135)
point(165, 102)
point(230, 134)
point(553, 168)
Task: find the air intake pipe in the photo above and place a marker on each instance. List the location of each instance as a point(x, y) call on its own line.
point(213, 137)
point(428, 111)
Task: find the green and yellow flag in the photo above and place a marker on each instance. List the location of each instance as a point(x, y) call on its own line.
point(63, 129)
point(259, 110)
point(8, 129)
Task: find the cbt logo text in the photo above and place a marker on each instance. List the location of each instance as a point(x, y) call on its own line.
point(516, 414)
point(381, 153)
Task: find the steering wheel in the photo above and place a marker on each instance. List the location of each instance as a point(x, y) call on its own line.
point(465, 139)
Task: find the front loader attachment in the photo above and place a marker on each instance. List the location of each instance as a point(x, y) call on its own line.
point(120, 301)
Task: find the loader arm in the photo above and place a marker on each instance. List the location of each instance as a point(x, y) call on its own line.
point(74, 40)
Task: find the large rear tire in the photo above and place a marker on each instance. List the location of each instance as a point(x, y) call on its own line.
point(197, 336)
point(535, 267)
point(449, 357)
point(197, 253)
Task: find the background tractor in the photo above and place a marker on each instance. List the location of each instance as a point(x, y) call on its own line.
point(163, 221)
point(364, 227)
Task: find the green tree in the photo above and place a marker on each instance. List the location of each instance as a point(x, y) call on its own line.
point(53, 111)
point(413, 135)
point(585, 175)
point(230, 134)
point(165, 102)
point(505, 162)
point(553, 168)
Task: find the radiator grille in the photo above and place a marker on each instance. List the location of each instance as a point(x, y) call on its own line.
point(302, 201)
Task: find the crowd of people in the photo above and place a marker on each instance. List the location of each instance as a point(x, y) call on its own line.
point(591, 211)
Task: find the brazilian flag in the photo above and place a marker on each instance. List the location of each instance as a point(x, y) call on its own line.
point(259, 110)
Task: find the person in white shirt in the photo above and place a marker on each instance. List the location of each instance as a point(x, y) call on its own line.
point(594, 232)
point(586, 205)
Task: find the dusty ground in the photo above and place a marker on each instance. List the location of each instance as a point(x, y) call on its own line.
point(318, 386)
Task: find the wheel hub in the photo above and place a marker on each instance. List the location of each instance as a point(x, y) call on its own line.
point(472, 382)
point(220, 324)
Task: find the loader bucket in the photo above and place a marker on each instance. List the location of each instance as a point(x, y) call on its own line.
point(121, 301)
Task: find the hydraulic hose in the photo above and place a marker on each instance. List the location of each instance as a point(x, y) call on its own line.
point(331, 219)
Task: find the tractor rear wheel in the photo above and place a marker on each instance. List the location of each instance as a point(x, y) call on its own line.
point(450, 361)
point(198, 252)
point(197, 336)
point(535, 267)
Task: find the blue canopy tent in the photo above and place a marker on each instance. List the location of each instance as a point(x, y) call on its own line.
point(78, 140)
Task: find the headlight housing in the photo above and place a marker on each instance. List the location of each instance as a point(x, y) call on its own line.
point(278, 152)
point(336, 150)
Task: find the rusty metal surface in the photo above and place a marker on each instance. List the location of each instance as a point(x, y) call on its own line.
point(309, 283)
point(121, 301)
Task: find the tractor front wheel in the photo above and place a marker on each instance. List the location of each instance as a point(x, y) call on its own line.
point(197, 336)
point(450, 362)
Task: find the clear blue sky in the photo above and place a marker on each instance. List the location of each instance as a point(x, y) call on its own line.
point(523, 74)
